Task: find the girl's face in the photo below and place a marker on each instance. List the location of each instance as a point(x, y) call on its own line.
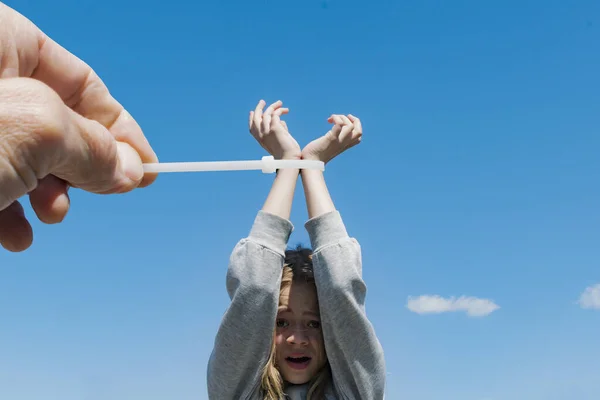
point(300, 351)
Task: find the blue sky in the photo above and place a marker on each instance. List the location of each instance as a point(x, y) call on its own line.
point(477, 177)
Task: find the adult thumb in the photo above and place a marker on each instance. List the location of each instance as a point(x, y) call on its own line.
point(93, 160)
point(41, 136)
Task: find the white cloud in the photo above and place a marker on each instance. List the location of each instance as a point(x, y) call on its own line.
point(590, 298)
point(473, 306)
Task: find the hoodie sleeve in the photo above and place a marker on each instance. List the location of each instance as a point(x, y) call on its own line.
point(353, 349)
point(244, 338)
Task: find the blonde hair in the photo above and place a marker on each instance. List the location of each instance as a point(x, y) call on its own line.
point(298, 265)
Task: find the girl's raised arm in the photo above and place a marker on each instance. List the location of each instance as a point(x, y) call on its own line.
point(245, 336)
point(353, 349)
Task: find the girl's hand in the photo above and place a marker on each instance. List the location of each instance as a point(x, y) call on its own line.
point(272, 133)
point(346, 133)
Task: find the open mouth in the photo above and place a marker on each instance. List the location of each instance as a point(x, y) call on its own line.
point(298, 362)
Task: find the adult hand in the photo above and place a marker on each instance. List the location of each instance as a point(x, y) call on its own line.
point(346, 133)
point(272, 132)
point(59, 127)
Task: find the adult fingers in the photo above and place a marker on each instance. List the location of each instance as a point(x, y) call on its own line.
point(125, 129)
point(103, 165)
point(15, 231)
point(82, 90)
point(40, 136)
point(50, 200)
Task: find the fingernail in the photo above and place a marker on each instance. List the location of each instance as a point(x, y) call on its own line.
point(130, 161)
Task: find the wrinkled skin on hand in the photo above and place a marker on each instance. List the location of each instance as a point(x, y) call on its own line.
point(59, 127)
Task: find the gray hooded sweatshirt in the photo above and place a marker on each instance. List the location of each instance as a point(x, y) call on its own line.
point(244, 338)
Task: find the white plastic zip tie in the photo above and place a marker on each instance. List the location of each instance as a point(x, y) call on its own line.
point(267, 165)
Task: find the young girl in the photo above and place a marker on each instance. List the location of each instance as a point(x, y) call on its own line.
point(296, 327)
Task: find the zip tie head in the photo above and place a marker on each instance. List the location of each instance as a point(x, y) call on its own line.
point(268, 165)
